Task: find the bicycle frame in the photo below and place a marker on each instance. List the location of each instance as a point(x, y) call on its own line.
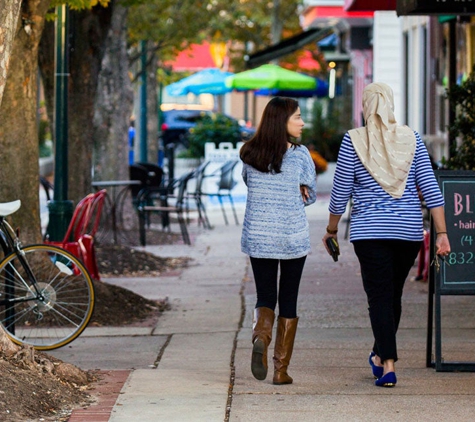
point(11, 244)
point(5, 244)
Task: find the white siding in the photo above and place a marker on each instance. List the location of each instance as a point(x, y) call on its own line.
point(388, 58)
point(416, 76)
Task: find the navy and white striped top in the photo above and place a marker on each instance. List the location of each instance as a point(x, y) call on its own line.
point(376, 214)
point(275, 224)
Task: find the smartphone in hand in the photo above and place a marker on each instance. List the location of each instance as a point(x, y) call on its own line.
point(333, 247)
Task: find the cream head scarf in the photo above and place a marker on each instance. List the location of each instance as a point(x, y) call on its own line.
point(385, 149)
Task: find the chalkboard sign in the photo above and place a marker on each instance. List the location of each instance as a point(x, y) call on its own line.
point(457, 276)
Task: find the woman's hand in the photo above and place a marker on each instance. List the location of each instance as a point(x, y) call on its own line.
point(324, 240)
point(304, 193)
point(331, 230)
point(442, 244)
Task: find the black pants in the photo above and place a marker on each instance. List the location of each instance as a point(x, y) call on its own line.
point(385, 265)
point(265, 275)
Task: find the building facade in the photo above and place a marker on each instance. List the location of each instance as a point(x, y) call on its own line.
point(420, 48)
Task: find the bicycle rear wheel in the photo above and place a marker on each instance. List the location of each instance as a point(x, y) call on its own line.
point(53, 310)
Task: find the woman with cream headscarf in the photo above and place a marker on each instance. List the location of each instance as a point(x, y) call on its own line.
point(381, 166)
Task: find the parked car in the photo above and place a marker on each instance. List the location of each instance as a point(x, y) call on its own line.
point(177, 124)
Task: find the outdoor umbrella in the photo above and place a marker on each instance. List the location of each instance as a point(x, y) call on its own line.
point(320, 91)
point(207, 81)
point(270, 76)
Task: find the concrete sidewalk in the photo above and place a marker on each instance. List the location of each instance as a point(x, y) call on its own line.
point(332, 377)
point(195, 364)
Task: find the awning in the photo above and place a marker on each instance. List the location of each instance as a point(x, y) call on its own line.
point(353, 5)
point(432, 7)
point(446, 18)
point(207, 81)
point(196, 57)
point(320, 91)
point(287, 46)
point(305, 62)
point(315, 16)
point(329, 42)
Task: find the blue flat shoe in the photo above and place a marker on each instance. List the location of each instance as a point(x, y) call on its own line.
point(388, 380)
point(377, 370)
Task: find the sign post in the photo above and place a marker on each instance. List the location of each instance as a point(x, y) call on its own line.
point(456, 275)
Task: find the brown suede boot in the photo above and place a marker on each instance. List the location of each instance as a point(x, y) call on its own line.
point(261, 338)
point(284, 345)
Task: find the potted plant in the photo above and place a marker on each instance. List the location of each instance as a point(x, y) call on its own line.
point(215, 128)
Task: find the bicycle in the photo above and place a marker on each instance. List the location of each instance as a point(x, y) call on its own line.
point(46, 293)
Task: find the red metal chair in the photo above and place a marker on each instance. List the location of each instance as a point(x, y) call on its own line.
point(79, 238)
point(424, 258)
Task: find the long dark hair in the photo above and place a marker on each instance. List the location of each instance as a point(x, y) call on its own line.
point(267, 147)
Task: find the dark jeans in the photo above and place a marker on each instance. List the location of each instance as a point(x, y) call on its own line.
point(385, 265)
point(265, 275)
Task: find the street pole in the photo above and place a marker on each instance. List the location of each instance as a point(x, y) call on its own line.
point(143, 103)
point(161, 152)
point(60, 209)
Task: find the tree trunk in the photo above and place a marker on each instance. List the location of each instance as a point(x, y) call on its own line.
point(152, 108)
point(114, 103)
point(8, 24)
point(6, 345)
point(89, 31)
point(19, 169)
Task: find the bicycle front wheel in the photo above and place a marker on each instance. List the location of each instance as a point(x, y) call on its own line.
point(46, 298)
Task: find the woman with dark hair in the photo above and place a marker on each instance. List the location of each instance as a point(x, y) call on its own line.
point(381, 166)
point(281, 181)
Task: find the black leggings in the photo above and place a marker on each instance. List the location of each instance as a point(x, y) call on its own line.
point(265, 275)
point(385, 265)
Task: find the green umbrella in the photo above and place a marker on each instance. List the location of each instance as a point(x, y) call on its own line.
point(270, 76)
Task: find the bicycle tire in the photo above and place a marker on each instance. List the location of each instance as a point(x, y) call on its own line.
point(68, 297)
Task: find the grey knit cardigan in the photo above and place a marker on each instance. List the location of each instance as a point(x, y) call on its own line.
point(275, 224)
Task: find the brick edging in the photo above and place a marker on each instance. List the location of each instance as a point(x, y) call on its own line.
point(106, 390)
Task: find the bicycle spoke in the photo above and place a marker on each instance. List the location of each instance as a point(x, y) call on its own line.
point(23, 283)
point(17, 318)
point(60, 310)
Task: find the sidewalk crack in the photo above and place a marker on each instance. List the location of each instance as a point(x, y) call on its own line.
point(162, 351)
point(233, 354)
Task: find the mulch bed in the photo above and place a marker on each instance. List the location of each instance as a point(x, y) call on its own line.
point(116, 306)
point(127, 261)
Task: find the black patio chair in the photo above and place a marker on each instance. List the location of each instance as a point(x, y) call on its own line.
point(150, 175)
point(225, 185)
point(196, 195)
point(156, 200)
point(155, 173)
